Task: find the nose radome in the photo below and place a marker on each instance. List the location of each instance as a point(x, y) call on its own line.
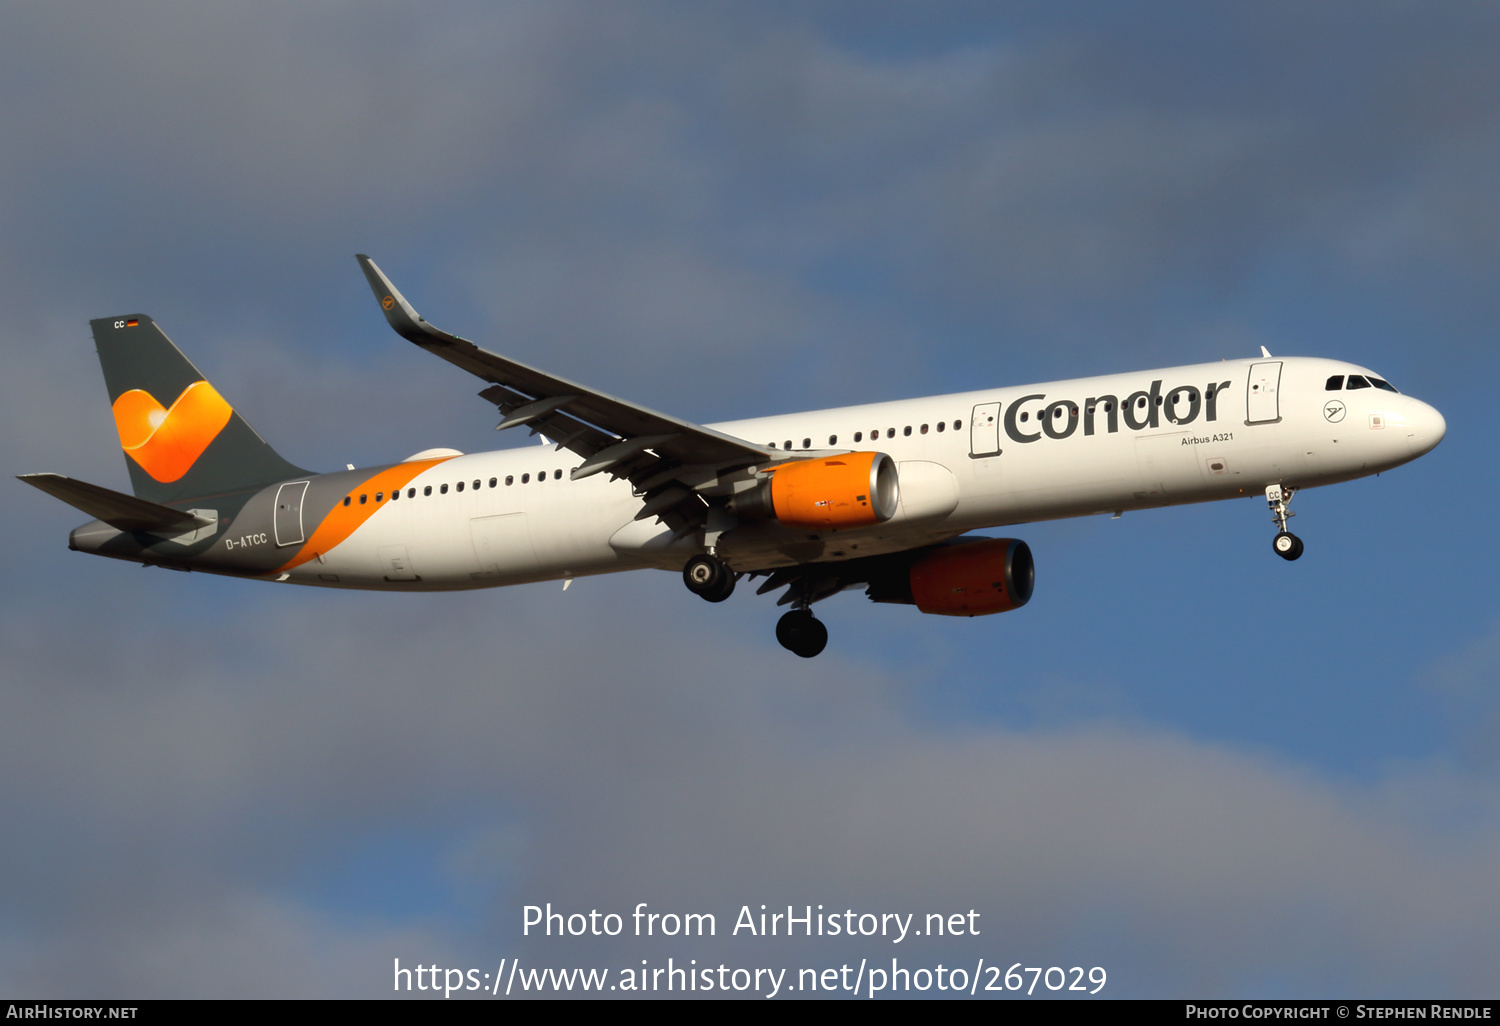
point(1427, 428)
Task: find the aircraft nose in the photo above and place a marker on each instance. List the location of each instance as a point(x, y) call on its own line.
point(1427, 428)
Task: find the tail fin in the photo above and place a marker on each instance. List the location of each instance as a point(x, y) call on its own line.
point(182, 440)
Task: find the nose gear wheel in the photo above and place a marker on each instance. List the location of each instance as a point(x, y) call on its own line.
point(1287, 545)
point(1279, 498)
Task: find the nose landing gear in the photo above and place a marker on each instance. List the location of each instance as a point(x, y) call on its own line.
point(1279, 497)
point(707, 577)
point(801, 633)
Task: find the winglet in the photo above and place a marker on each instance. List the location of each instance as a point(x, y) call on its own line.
point(1265, 353)
point(398, 312)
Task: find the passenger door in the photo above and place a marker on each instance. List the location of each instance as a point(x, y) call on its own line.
point(1261, 403)
point(984, 431)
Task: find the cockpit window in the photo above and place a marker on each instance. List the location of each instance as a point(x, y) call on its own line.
point(1355, 381)
point(1383, 384)
point(1334, 383)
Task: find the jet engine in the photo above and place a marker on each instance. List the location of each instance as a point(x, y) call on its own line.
point(967, 577)
point(854, 490)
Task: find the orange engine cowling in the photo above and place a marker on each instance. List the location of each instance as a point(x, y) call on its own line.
point(989, 575)
point(854, 490)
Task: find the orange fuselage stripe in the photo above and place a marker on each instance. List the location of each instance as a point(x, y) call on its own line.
point(343, 521)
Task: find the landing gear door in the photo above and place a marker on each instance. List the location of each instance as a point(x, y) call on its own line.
point(1261, 403)
point(288, 518)
point(984, 431)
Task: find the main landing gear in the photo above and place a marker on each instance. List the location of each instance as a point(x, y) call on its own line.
point(798, 631)
point(801, 633)
point(707, 577)
point(1286, 544)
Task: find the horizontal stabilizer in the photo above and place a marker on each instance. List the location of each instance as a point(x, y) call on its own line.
point(125, 512)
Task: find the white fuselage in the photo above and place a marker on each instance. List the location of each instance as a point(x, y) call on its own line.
point(972, 460)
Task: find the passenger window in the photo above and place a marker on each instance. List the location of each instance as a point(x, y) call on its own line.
point(525, 478)
point(807, 443)
point(833, 439)
point(924, 429)
point(363, 499)
point(443, 490)
point(942, 424)
point(557, 475)
point(890, 432)
point(346, 500)
point(1334, 383)
point(508, 479)
point(958, 425)
point(787, 444)
point(427, 490)
point(411, 493)
point(858, 437)
point(1355, 381)
point(494, 482)
point(906, 431)
point(380, 496)
point(476, 485)
point(460, 486)
point(1383, 384)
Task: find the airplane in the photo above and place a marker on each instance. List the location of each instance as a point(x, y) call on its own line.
point(881, 496)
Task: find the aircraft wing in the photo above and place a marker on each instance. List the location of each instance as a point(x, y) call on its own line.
point(667, 459)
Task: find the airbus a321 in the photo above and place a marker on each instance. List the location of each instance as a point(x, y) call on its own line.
point(881, 496)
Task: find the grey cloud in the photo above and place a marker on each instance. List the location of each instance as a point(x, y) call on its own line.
point(194, 758)
point(618, 166)
point(1468, 685)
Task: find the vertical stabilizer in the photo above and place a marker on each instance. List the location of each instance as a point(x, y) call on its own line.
point(181, 439)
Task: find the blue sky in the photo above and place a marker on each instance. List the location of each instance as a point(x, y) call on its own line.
point(1212, 772)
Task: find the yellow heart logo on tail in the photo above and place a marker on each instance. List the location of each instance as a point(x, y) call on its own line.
point(167, 442)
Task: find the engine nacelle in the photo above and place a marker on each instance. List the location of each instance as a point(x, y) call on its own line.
point(854, 490)
point(973, 577)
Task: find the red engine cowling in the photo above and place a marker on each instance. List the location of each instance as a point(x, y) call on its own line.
point(974, 578)
point(853, 490)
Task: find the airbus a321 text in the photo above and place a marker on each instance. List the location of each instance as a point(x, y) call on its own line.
point(881, 496)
